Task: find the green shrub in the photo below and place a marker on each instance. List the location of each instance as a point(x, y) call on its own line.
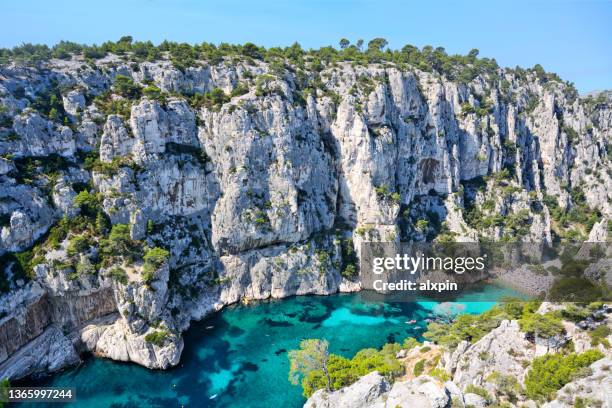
point(576, 289)
point(212, 100)
point(110, 106)
point(599, 335)
point(150, 227)
point(153, 259)
point(418, 368)
point(157, 337)
point(85, 267)
point(119, 275)
point(126, 87)
point(506, 385)
point(344, 372)
point(440, 373)
point(547, 325)
point(473, 389)
point(551, 372)
point(421, 225)
point(156, 256)
point(118, 243)
point(349, 271)
point(465, 327)
point(383, 192)
point(575, 312)
point(466, 109)
point(410, 343)
point(154, 93)
point(77, 244)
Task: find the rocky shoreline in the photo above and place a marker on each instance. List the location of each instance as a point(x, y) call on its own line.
point(474, 371)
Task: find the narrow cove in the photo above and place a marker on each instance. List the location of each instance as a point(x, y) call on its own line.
point(239, 355)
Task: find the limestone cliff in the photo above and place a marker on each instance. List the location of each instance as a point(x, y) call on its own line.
point(260, 180)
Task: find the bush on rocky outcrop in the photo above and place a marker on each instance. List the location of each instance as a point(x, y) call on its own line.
point(157, 337)
point(419, 368)
point(153, 259)
point(126, 87)
point(118, 274)
point(119, 244)
point(599, 335)
point(213, 99)
point(505, 385)
point(546, 325)
point(551, 372)
point(110, 106)
point(88, 203)
point(344, 371)
point(480, 391)
point(465, 327)
point(77, 244)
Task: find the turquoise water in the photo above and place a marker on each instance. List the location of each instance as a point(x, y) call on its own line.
point(242, 358)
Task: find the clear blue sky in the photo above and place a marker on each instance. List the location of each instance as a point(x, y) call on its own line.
point(570, 37)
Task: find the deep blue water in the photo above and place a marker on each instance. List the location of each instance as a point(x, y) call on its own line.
point(240, 354)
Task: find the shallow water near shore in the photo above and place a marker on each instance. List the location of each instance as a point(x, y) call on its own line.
point(238, 357)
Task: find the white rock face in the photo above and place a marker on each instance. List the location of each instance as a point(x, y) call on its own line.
point(49, 352)
point(473, 400)
point(36, 136)
point(115, 141)
point(502, 350)
point(373, 391)
point(30, 216)
point(421, 392)
point(119, 343)
point(362, 394)
point(263, 194)
point(74, 102)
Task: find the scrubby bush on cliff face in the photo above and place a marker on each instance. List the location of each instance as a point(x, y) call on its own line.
point(474, 389)
point(77, 244)
point(126, 87)
point(154, 93)
point(119, 275)
point(551, 372)
point(157, 338)
point(88, 203)
point(506, 385)
point(212, 100)
point(119, 244)
point(419, 367)
point(153, 259)
point(573, 222)
point(599, 336)
point(156, 257)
